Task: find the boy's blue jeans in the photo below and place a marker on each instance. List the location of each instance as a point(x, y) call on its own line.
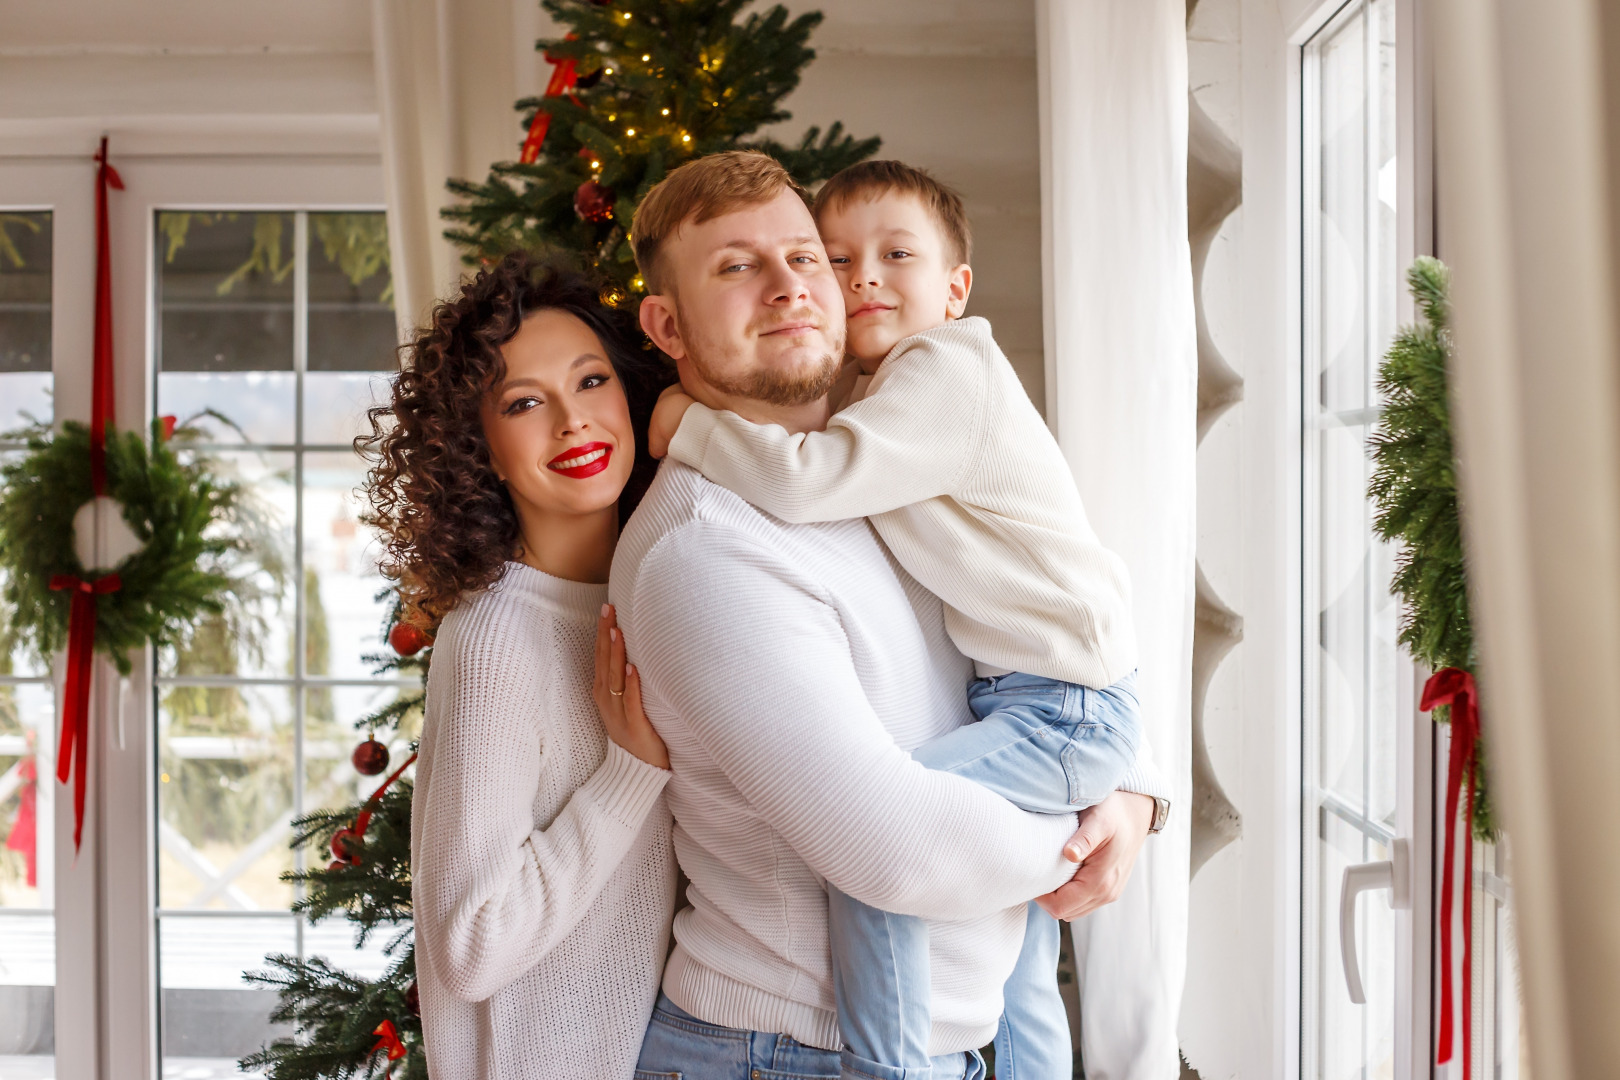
point(1046, 746)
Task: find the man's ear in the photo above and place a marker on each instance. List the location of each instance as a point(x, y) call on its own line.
point(658, 320)
point(956, 291)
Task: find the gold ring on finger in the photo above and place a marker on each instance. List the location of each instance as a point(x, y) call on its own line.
point(615, 693)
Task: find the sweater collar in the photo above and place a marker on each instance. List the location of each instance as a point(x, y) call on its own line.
point(581, 599)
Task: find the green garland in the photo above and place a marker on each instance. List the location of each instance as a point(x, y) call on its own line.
point(178, 575)
point(1414, 486)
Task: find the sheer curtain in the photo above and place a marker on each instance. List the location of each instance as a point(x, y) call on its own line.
point(448, 73)
point(1121, 377)
point(1527, 127)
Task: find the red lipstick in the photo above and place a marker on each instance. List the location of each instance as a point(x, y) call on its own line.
point(581, 461)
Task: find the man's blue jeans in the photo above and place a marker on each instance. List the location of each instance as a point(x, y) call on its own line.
point(1046, 746)
point(679, 1046)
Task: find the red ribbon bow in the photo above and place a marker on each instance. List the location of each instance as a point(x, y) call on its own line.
point(388, 1039)
point(1455, 687)
point(563, 78)
point(76, 687)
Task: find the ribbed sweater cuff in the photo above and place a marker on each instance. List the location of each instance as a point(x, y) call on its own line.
point(1144, 778)
point(626, 787)
point(691, 439)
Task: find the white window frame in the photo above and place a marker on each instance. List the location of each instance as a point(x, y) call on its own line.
point(1416, 762)
point(106, 970)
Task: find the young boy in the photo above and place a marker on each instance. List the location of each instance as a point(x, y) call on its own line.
point(939, 446)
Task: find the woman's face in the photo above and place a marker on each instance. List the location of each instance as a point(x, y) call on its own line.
point(558, 425)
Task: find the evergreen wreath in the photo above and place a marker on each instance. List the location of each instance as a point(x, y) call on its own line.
point(178, 575)
point(1414, 487)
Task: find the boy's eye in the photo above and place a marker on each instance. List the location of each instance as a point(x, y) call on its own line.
point(898, 253)
point(839, 260)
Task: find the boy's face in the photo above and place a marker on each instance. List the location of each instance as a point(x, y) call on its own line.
point(895, 271)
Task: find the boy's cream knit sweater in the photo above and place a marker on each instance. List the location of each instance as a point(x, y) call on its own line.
point(960, 476)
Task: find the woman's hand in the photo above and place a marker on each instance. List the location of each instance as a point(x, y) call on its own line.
point(666, 418)
point(618, 695)
point(1110, 836)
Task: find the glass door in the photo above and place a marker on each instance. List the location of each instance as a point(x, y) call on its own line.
point(1359, 687)
point(27, 700)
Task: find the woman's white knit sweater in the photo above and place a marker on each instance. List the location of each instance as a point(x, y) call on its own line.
point(543, 877)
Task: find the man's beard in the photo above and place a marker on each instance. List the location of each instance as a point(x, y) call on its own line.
point(774, 386)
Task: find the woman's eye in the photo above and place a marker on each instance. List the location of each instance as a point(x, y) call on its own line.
point(519, 405)
point(591, 382)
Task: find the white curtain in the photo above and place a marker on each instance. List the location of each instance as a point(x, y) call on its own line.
point(448, 73)
point(1121, 394)
point(1526, 92)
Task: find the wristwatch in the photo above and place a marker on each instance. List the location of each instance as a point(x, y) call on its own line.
point(1161, 815)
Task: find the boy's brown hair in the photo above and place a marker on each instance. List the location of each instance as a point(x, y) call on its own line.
point(697, 192)
point(869, 179)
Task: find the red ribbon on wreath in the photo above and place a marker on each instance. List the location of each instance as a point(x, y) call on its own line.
point(563, 77)
point(74, 750)
point(388, 1039)
point(72, 756)
point(1455, 687)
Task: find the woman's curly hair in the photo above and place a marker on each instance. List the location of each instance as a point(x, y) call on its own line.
point(447, 522)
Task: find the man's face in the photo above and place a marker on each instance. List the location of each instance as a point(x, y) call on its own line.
point(756, 309)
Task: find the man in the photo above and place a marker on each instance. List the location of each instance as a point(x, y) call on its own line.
point(790, 668)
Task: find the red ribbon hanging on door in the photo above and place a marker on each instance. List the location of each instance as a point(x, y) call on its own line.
point(101, 381)
point(563, 77)
point(1455, 687)
point(74, 749)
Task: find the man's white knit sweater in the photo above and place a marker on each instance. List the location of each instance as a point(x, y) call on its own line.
point(542, 878)
point(790, 669)
point(967, 487)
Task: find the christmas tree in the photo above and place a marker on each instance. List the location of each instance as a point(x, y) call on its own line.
point(640, 87)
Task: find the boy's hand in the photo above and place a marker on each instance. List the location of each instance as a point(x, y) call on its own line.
point(666, 418)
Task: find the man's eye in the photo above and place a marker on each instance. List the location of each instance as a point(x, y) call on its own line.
point(735, 268)
point(801, 258)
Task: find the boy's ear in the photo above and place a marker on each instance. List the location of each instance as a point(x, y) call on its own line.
point(658, 321)
point(956, 292)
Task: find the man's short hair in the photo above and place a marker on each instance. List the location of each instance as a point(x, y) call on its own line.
point(697, 192)
point(869, 179)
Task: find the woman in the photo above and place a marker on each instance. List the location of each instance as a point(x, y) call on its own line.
point(543, 876)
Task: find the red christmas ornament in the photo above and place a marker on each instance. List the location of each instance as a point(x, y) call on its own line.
point(413, 999)
point(370, 758)
point(347, 845)
point(337, 864)
point(593, 202)
point(407, 640)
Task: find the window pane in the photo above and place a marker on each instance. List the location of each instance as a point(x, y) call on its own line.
point(264, 317)
point(225, 299)
point(352, 336)
point(25, 317)
point(27, 702)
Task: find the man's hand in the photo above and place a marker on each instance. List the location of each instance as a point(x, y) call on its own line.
point(666, 418)
point(1110, 836)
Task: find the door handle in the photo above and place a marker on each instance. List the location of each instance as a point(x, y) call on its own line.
point(1394, 874)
